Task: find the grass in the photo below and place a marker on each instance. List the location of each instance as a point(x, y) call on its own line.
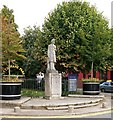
point(32, 93)
point(37, 93)
point(78, 92)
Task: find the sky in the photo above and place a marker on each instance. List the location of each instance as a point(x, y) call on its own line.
point(33, 12)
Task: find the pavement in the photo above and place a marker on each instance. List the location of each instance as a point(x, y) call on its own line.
point(71, 105)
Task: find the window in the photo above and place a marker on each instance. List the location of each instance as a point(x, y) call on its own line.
point(112, 83)
point(106, 83)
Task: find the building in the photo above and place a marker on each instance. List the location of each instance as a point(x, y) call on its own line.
point(105, 76)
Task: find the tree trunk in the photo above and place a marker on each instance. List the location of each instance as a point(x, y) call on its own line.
point(9, 68)
point(92, 70)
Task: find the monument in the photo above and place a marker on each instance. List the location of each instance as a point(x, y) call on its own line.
point(53, 84)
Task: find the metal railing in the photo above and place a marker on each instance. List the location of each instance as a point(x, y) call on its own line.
point(39, 85)
point(33, 84)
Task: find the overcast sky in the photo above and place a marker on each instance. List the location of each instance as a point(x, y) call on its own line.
point(32, 12)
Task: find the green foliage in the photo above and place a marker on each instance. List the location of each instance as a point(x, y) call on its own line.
point(11, 43)
point(32, 93)
point(91, 80)
point(82, 36)
point(12, 79)
point(33, 64)
point(111, 57)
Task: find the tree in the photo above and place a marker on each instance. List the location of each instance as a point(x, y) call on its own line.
point(110, 59)
point(34, 63)
point(11, 42)
point(82, 36)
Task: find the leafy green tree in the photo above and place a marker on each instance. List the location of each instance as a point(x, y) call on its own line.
point(11, 42)
point(33, 64)
point(82, 36)
point(111, 57)
point(112, 43)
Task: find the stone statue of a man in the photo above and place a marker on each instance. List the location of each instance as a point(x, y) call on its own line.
point(51, 60)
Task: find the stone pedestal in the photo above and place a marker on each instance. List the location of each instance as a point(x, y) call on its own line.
point(53, 85)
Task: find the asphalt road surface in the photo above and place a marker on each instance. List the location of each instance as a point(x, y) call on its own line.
point(101, 116)
point(57, 119)
point(107, 115)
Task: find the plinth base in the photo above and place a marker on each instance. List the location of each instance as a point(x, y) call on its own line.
point(53, 85)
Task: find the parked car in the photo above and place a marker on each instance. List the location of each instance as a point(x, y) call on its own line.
point(106, 87)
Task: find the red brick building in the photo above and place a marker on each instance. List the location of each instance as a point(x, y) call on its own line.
point(108, 75)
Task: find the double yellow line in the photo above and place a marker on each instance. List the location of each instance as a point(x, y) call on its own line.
point(63, 116)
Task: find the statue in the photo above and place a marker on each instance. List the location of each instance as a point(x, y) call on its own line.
point(51, 60)
point(53, 79)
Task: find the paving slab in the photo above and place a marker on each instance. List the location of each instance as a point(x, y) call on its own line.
point(58, 112)
point(12, 103)
point(41, 103)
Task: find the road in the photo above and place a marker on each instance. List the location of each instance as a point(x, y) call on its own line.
point(105, 115)
point(102, 116)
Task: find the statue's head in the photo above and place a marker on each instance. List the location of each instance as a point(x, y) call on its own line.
point(53, 41)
